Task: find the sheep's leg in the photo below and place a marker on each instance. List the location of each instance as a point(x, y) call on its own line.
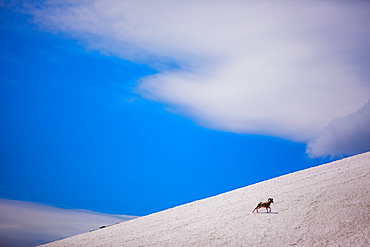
point(258, 206)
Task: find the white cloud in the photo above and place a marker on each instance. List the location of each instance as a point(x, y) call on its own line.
point(346, 135)
point(284, 69)
point(30, 224)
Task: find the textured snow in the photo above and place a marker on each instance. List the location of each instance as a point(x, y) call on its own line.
point(328, 205)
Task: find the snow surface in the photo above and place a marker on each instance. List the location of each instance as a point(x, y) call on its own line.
point(328, 205)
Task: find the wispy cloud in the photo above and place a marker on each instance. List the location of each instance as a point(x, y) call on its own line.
point(31, 224)
point(285, 69)
point(345, 135)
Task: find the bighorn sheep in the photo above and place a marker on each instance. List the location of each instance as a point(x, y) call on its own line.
point(264, 205)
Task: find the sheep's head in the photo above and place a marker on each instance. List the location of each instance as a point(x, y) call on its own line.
point(271, 200)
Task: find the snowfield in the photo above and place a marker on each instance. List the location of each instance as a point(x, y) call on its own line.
point(328, 205)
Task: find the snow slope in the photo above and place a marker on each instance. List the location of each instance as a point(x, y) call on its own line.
point(328, 205)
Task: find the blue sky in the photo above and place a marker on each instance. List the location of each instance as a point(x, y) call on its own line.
point(112, 108)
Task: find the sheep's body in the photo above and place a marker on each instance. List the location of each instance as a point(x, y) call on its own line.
point(264, 205)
